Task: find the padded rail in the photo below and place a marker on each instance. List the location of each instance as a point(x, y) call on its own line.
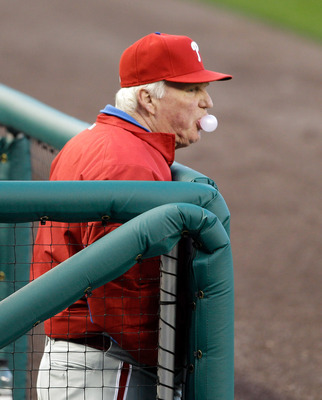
point(92, 200)
point(211, 344)
point(22, 113)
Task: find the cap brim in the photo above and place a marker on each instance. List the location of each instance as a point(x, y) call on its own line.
point(200, 77)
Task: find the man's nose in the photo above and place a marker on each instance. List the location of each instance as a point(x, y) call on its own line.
point(206, 101)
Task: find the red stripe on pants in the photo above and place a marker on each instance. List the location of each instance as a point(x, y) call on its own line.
point(123, 381)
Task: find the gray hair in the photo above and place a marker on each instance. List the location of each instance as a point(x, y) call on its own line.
point(126, 98)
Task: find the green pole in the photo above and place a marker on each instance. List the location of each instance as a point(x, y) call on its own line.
point(15, 253)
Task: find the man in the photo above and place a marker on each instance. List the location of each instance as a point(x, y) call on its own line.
point(105, 346)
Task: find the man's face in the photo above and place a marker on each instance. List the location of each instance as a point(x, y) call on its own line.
point(180, 110)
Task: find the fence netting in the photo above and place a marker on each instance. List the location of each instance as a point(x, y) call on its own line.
point(42, 155)
point(29, 355)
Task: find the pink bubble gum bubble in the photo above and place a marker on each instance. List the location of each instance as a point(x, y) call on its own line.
point(208, 123)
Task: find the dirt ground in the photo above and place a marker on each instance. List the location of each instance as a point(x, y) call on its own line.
point(265, 155)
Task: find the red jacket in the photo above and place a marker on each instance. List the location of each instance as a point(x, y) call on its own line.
point(126, 308)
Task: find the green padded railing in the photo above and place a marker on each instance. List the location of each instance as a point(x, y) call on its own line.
point(151, 233)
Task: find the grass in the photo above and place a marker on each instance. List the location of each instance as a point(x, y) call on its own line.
point(301, 16)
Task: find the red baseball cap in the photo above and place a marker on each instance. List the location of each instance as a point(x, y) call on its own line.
point(159, 56)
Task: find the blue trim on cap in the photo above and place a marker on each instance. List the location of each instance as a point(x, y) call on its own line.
point(115, 112)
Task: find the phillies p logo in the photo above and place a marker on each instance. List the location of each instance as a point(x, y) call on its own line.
point(195, 48)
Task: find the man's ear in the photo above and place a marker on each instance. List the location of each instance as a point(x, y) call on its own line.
point(146, 101)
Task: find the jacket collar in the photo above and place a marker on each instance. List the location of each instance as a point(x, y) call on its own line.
point(163, 142)
point(110, 110)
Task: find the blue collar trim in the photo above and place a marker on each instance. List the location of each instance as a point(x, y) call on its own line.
point(110, 110)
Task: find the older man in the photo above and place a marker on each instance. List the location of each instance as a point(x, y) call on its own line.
point(105, 346)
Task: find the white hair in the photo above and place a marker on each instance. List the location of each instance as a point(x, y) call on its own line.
point(126, 98)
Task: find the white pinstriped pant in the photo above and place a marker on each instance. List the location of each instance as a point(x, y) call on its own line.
point(71, 371)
